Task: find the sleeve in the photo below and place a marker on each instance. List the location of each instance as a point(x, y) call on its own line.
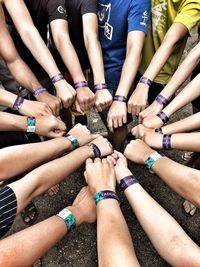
point(56, 10)
point(89, 6)
point(189, 14)
point(139, 15)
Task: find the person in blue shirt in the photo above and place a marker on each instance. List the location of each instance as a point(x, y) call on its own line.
point(122, 26)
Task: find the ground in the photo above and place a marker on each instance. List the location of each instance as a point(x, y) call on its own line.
point(79, 247)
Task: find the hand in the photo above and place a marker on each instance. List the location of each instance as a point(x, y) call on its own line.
point(140, 131)
point(52, 101)
point(117, 115)
point(85, 99)
point(50, 126)
point(100, 175)
point(153, 122)
point(83, 135)
point(83, 207)
point(150, 111)
point(120, 165)
point(34, 108)
point(137, 151)
point(104, 146)
point(65, 92)
point(103, 99)
point(138, 100)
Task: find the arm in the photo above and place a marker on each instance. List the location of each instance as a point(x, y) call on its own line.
point(174, 35)
point(169, 239)
point(118, 113)
point(45, 234)
point(36, 45)
point(182, 179)
point(111, 226)
point(45, 125)
point(29, 158)
point(189, 93)
point(181, 74)
point(103, 97)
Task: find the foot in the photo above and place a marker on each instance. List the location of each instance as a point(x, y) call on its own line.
point(53, 190)
point(189, 207)
point(187, 155)
point(37, 263)
point(83, 207)
point(29, 214)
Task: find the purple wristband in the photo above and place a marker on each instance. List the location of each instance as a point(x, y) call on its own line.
point(56, 78)
point(162, 100)
point(100, 86)
point(81, 84)
point(18, 103)
point(39, 91)
point(96, 150)
point(163, 116)
point(127, 181)
point(159, 130)
point(120, 98)
point(166, 141)
point(145, 80)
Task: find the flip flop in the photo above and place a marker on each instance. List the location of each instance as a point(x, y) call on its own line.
point(37, 263)
point(31, 213)
point(187, 155)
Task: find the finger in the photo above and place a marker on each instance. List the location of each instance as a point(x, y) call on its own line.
point(115, 123)
point(110, 124)
point(88, 161)
point(104, 161)
point(94, 136)
point(120, 121)
point(118, 154)
point(85, 176)
point(129, 107)
point(78, 108)
point(124, 119)
point(111, 160)
point(98, 107)
point(91, 102)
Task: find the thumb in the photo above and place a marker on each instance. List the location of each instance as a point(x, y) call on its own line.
point(78, 108)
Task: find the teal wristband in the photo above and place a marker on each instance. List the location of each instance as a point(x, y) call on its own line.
point(68, 218)
point(152, 159)
point(73, 140)
point(105, 194)
point(31, 122)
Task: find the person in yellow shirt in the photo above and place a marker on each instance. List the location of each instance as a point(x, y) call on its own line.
point(171, 24)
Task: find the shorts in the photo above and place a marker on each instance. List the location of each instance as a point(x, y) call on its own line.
point(8, 209)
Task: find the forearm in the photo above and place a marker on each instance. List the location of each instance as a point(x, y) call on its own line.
point(25, 76)
point(7, 99)
point(186, 141)
point(43, 236)
point(166, 235)
point(185, 181)
point(11, 122)
point(132, 63)
point(188, 124)
point(30, 156)
point(70, 58)
point(115, 247)
point(183, 72)
point(187, 95)
point(96, 59)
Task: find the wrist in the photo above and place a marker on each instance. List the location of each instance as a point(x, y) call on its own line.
point(18, 103)
point(39, 91)
point(121, 172)
point(77, 214)
point(105, 194)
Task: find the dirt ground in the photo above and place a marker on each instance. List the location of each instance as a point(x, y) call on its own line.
point(79, 247)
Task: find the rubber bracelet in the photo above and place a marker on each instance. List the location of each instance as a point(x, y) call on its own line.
point(68, 218)
point(127, 181)
point(120, 98)
point(39, 91)
point(164, 118)
point(31, 121)
point(95, 149)
point(162, 100)
point(145, 80)
point(100, 86)
point(73, 140)
point(18, 103)
point(56, 78)
point(152, 159)
point(159, 130)
point(81, 84)
point(105, 194)
point(166, 141)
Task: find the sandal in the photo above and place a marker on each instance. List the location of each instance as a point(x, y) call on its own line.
point(54, 190)
point(29, 214)
point(189, 208)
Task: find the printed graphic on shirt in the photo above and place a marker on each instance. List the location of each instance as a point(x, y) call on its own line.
point(145, 17)
point(159, 15)
point(61, 10)
point(104, 17)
